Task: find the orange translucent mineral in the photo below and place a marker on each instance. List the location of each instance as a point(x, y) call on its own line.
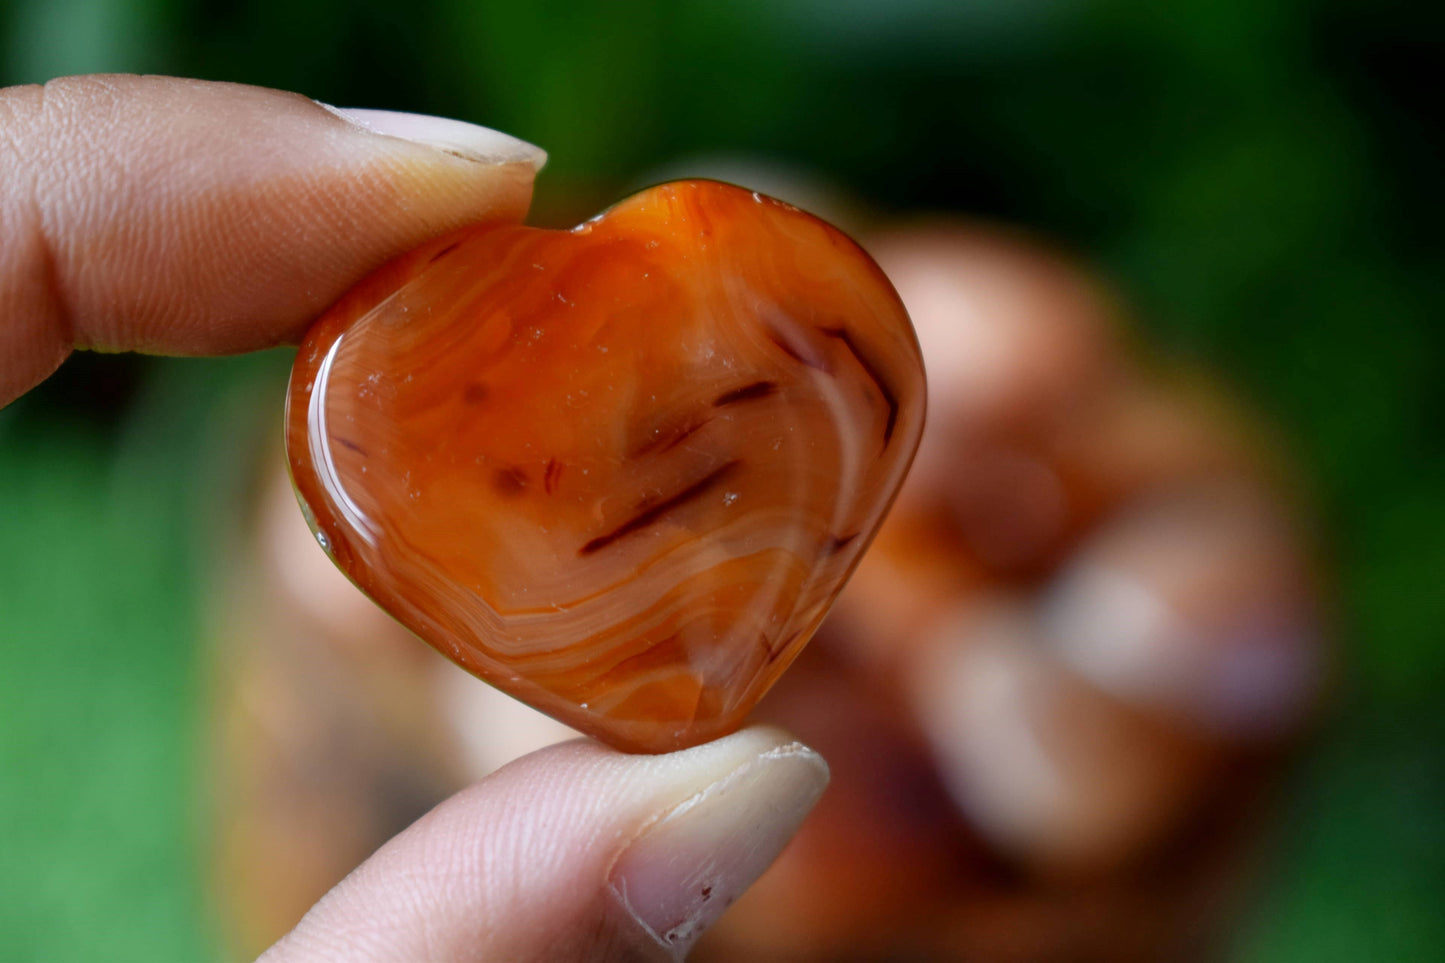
point(621, 471)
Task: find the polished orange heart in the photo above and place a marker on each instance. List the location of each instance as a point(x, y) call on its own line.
point(621, 471)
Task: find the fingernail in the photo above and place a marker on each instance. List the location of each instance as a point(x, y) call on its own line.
point(452, 136)
point(693, 861)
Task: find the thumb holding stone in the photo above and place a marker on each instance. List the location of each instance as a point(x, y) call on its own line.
point(186, 217)
point(575, 852)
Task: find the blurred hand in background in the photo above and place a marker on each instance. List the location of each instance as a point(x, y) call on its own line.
point(1057, 691)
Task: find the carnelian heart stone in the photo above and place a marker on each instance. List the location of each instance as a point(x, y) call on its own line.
point(621, 471)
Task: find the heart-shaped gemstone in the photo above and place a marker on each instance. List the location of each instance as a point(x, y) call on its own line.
point(621, 471)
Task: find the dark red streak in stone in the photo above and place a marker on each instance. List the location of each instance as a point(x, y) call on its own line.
point(669, 440)
point(443, 252)
point(550, 473)
point(509, 481)
point(348, 443)
point(871, 370)
point(836, 543)
point(758, 389)
point(647, 517)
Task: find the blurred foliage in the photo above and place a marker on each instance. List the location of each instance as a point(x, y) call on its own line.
point(1259, 177)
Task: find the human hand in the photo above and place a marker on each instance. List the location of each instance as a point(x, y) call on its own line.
point(181, 217)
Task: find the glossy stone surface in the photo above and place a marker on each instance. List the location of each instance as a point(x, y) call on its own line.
point(622, 471)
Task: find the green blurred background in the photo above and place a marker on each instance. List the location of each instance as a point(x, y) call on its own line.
point(1261, 178)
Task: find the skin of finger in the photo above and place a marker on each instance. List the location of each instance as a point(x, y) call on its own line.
point(516, 867)
point(186, 217)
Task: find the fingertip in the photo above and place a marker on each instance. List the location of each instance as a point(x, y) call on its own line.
point(575, 852)
point(687, 866)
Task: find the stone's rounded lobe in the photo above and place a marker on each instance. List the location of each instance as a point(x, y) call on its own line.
point(622, 471)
